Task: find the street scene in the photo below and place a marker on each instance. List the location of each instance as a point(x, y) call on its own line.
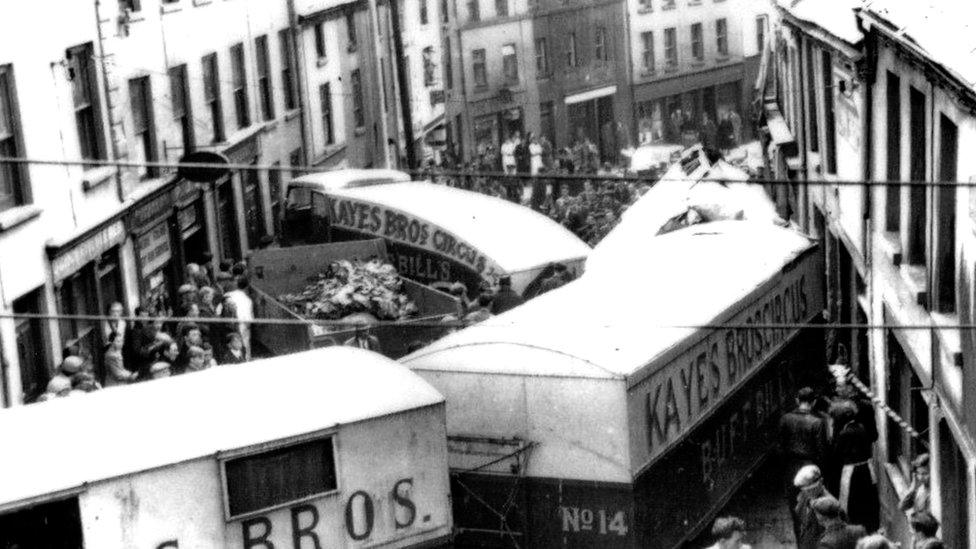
point(488, 274)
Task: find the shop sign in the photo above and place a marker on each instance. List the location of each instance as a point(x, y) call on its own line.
point(154, 249)
point(677, 396)
point(105, 239)
point(396, 226)
point(146, 213)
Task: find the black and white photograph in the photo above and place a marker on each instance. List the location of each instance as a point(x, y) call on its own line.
point(488, 274)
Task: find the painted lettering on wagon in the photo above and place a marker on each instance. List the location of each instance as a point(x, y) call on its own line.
point(305, 519)
point(391, 224)
point(678, 395)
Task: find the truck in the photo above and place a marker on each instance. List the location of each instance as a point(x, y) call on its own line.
point(279, 271)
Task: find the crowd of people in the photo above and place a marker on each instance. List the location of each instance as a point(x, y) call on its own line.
point(215, 330)
point(830, 483)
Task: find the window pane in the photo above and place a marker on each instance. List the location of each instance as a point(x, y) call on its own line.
point(279, 476)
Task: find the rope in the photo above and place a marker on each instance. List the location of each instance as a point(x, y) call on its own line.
point(877, 402)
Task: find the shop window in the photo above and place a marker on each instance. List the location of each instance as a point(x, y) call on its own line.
point(238, 71)
point(904, 398)
point(954, 484)
point(81, 73)
point(510, 64)
point(325, 104)
point(917, 199)
point(478, 66)
point(143, 124)
point(211, 96)
point(264, 77)
point(13, 177)
point(287, 76)
point(358, 114)
point(945, 236)
point(671, 47)
point(893, 148)
point(647, 51)
point(812, 107)
point(180, 99)
point(31, 347)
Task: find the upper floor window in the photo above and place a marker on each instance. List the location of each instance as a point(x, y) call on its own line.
point(510, 63)
point(445, 15)
point(430, 68)
point(646, 5)
point(143, 123)
point(722, 36)
point(671, 46)
point(264, 77)
point(541, 58)
point(351, 29)
point(239, 79)
point(478, 67)
point(448, 65)
point(501, 8)
point(697, 43)
point(179, 93)
point(571, 58)
point(358, 114)
point(647, 51)
point(211, 95)
point(474, 13)
point(424, 16)
point(287, 76)
point(13, 177)
point(319, 32)
point(81, 72)
point(601, 51)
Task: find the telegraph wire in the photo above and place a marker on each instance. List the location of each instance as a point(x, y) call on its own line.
point(521, 177)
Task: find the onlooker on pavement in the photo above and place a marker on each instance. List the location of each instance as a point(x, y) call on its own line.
point(728, 533)
point(806, 527)
point(916, 500)
point(506, 298)
point(234, 350)
point(838, 534)
point(114, 362)
point(802, 441)
point(924, 530)
point(244, 309)
point(858, 493)
point(196, 359)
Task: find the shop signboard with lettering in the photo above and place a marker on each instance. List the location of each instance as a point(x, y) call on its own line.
point(70, 261)
point(154, 249)
point(677, 395)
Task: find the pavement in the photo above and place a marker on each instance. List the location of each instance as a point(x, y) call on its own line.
point(761, 504)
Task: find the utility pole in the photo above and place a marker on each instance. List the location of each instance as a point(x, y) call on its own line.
point(401, 70)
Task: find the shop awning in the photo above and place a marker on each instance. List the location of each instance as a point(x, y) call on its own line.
point(591, 94)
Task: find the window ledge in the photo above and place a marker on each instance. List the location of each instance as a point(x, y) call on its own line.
point(671, 70)
point(668, 7)
point(96, 177)
point(695, 3)
point(644, 10)
point(292, 114)
point(698, 64)
point(891, 246)
point(170, 8)
point(321, 61)
point(15, 217)
point(916, 279)
point(648, 73)
point(360, 130)
point(269, 126)
point(722, 59)
point(201, 2)
point(948, 332)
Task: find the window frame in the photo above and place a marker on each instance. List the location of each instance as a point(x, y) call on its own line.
point(179, 88)
point(698, 41)
point(223, 457)
point(83, 83)
point(20, 186)
point(722, 36)
point(479, 67)
point(238, 71)
point(647, 51)
point(358, 112)
point(893, 147)
point(262, 60)
point(211, 95)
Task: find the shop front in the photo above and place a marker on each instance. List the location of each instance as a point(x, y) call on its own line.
point(168, 230)
point(491, 130)
point(591, 118)
point(87, 277)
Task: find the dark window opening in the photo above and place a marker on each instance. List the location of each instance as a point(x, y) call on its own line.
point(893, 159)
point(918, 199)
point(945, 241)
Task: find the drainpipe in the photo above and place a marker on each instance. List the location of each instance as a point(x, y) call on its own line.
point(296, 49)
point(867, 133)
point(119, 190)
point(374, 23)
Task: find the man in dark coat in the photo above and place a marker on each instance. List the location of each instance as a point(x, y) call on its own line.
point(837, 533)
point(852, 451)
point(506, 298)
point(802, 441)
point(808, 529)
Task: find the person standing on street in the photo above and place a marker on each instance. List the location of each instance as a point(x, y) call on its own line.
point(807, 528)
point(838, 534)
point(735, 124)
point(244, 309)
point(535, 155)
point(858, 492)
point(924, 530)
point(508, 154)
point(506, 298)
point(802, 441)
